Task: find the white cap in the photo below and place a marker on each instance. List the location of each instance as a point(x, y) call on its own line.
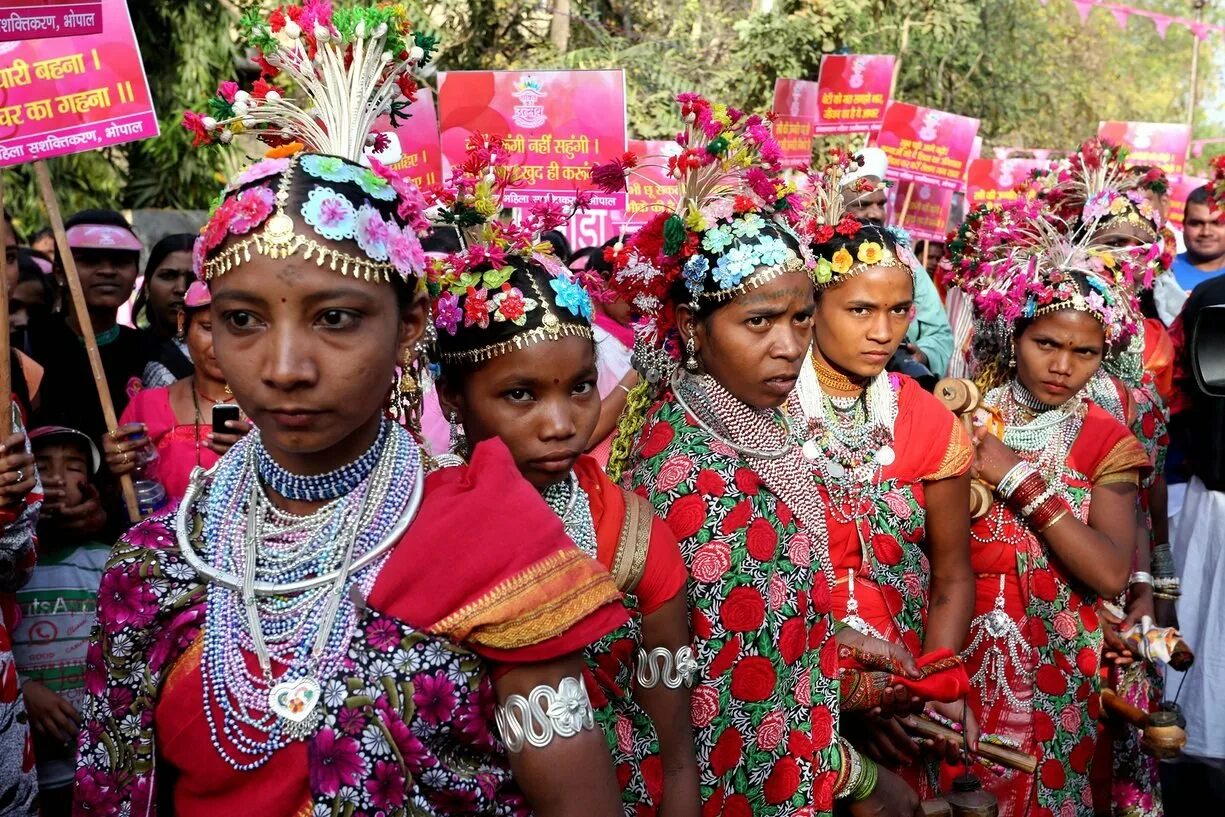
point(875, 163)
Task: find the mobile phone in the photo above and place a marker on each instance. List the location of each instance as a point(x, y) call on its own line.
point(222, 414)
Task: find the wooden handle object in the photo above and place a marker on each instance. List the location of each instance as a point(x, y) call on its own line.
point(1008, 758)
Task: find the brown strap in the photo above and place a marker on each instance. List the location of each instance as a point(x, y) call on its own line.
point(629, 562)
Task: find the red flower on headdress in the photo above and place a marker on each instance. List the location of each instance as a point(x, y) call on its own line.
point(476, 309)
point(848, 227)
point(822, 233)
point(194, 123)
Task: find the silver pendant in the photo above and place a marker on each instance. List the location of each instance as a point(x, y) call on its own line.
point(885, 456)
point(998, 625)
point(811, 450)
point(835, 470)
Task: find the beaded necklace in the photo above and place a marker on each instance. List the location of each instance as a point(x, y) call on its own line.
point(693, 392)
point(570, 503)
point(319, 487)
point(283, 587)
point(1040, 434)
point(850, 441)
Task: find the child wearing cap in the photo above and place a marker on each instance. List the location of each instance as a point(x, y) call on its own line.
point(57, 611)
point(106, 252)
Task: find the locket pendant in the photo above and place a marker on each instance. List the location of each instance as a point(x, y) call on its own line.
point(295, 700)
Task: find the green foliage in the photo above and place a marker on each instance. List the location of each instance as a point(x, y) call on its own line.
point(1034, 75)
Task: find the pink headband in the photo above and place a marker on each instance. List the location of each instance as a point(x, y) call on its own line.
point(44, 266)
point(102, 237)
point(197, 295)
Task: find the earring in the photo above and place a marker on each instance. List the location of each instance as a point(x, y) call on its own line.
point(1012, 355)
point(691, 354)
point(408, 381)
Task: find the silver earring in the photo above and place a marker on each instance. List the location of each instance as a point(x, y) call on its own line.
point(1012, 356)
point(691, 354)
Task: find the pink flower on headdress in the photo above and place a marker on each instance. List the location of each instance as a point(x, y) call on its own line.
point(760, 183)
point(227, 90)
point(251, 207)
point(1095, 302)
point(260, 170)
point(373, 234)
point(549, 213)
point(197, 257)
point(218, 226)
point(412, 205)
point(476, 308)
point(331, 214)
point(406, 253)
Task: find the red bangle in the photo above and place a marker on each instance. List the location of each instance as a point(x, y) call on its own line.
point(1048, 513)
point(1030, 489)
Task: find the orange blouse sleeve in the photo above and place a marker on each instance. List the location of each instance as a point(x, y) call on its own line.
point(1114, 453)
point(488, 565)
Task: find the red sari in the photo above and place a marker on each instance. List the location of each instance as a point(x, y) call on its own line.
point(1045, 701)
point(640, 552)
point(409, 723)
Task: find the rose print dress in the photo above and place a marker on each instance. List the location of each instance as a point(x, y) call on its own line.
point(407, 726)
point(765, 705)
point(1033, 663)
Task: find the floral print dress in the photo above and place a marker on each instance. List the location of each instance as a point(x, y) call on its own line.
point(408, 720)
point(765, 705)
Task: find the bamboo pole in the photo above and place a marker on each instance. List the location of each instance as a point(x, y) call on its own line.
point(6, 374)
point(901, 218)
point(87, 326)
point(1194, 93)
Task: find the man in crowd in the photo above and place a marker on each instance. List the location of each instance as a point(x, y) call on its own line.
point(929, 339)
point(1205, 236)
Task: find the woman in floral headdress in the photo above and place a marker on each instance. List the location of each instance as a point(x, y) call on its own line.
point(321, 628)
point(1062, 530)
point(891, 464)
point(517, 359)
point(725, 295)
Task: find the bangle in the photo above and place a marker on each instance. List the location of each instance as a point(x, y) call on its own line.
point(1140, 577)
point(1009, 483)
point(1051, 510)
point(868, 778)
point(1062, 513)
point(1038, 502)
point(1163, 561)
point(623, 388)
point(1030, 489)
point(844, 768)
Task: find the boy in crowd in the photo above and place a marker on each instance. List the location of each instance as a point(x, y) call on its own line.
point(57, 611)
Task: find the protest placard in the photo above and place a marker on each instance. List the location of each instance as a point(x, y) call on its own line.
point(30, 19)
point(852, 92)
point(992, 181)
point(1179, 190)
point(557, 123)
point(71, 94)
point(926, 210)
point(412, 147)
point(926, 145)
point(1159, 144)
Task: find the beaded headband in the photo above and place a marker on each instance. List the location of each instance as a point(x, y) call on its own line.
point(352, 64)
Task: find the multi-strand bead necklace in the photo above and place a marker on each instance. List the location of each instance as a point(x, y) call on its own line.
point(282, 586)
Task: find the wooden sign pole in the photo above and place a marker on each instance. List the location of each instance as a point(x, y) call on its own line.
point(901, 219)
point(6, 375)
point(87, 326)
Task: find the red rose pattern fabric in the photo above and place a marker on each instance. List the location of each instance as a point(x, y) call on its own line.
point(764, 705)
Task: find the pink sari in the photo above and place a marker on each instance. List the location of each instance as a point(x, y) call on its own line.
point(180, 446)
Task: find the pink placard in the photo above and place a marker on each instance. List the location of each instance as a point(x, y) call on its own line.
point(796, 99)
point(650, 188)
point(794, 137)
point(795, 118)
point(993, 181)
point(853, 92)
point(1160, 144)
point(926, 145)
point(927, 214)
point(1179, 190)
point(30, 19)
point(558, 123)
point(72, 94)
point(413, 147)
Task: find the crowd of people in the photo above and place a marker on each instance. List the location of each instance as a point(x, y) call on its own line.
point(439, 515)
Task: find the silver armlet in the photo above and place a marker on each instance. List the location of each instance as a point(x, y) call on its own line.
point(661, 665)
point(544, 714)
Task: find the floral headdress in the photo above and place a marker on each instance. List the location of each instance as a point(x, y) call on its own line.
point(1094, 188)
point(1216, 187)
point(823, 220)
point(724, 235)
point(352, 65)
point(505, 289)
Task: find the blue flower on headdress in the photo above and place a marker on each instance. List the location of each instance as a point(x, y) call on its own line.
point(716, 239)
point(772, 252)
point(328, 168)
point(748, 226)
point(374, 184)
point(331, 214)
point(1031, 307)
point(695, 273)
point(734, 266)
point(572, 297)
